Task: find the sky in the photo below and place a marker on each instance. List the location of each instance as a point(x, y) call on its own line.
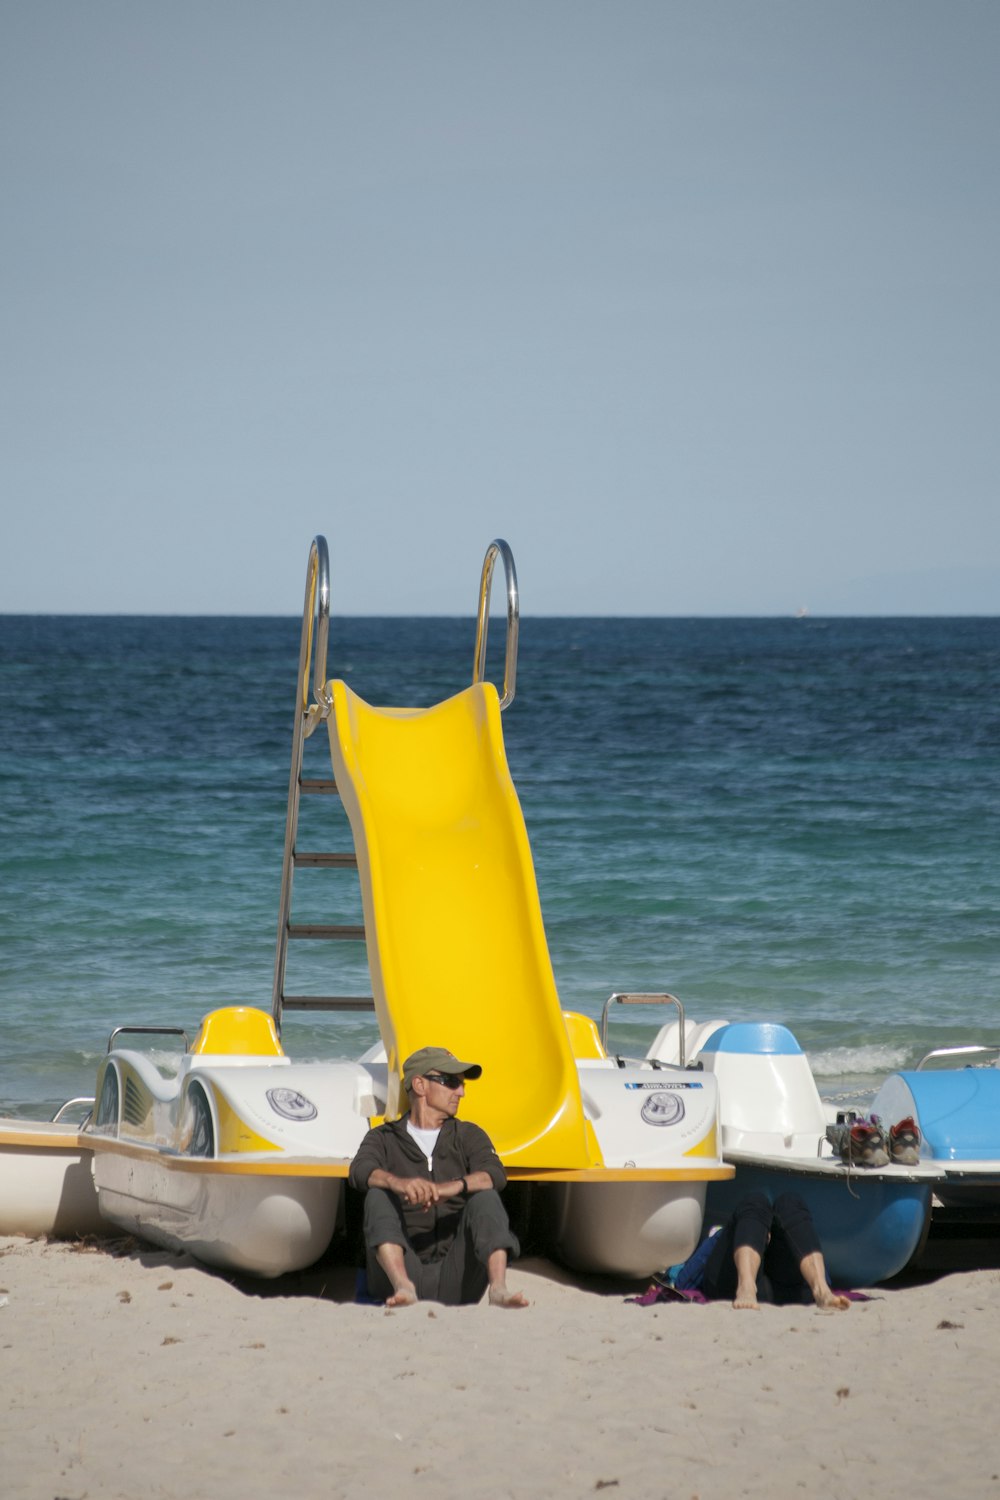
point(694, 302)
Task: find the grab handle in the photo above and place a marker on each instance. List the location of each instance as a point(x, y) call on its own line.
point(969, 1051)
point(315, 637)
point(149, 1031)
point(498, 548)
point(642, 999)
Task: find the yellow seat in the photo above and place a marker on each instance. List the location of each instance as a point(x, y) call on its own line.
point(584, 1037)
point(238, 1031)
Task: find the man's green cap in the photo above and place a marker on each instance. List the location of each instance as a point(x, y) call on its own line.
point(436, 1060)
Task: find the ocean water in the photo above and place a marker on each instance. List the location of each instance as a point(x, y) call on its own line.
point(791, 820)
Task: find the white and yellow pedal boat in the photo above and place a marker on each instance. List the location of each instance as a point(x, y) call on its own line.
point(241, 1155)
point(237, 1155)
point(46, 1181)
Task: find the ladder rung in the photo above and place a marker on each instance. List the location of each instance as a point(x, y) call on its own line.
point(318, 786)
point(327, 1002)
point(326, 861)
point(326, 930)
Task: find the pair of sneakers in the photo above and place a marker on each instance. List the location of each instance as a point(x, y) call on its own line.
point(865, 1142)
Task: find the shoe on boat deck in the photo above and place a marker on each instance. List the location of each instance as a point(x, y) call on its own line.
point(859, 1143)
point(904, 1142)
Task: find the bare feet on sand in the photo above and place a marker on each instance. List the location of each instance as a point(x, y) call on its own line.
point(746, 1299)
point(403, 1296)
point(829, 1301)
point(501, 1297)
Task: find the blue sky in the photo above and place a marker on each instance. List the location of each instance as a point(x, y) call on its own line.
point(693, 301)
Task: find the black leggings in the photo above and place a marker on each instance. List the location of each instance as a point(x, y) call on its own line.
point(782, 1234)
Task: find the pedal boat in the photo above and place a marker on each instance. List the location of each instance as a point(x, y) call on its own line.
point(872, 1222)
point(953, 1094)
point(46, 1181)
point(241, 1156)
point(238, 1158)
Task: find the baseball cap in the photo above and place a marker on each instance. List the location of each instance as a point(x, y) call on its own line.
point(436, 1060)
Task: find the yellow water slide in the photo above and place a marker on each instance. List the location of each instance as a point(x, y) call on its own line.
point(456, 944)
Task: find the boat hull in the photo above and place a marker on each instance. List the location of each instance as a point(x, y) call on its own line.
point(260, 1224)
point(46, 1184)
point(625, 1229)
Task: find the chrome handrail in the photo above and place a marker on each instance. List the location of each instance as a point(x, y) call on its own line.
point(644, 999)
point(80, 1103)
point(149, 1031)
point(498, 548)
point(308, 716)
point(315, 618)
point(313, 647)
point(966, 1051)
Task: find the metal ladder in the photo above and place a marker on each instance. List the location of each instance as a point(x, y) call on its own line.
point(313, 646)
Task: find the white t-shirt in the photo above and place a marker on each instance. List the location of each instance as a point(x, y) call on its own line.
point(425, 1139)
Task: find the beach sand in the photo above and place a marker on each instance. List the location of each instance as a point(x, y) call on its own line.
point(130, 1372)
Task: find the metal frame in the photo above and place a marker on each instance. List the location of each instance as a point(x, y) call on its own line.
point(643, 999)
point(149, 1031)
point(498, 548)
point(961, 1052)
point(315, 630)
point(313, 647)
point(81, 1103)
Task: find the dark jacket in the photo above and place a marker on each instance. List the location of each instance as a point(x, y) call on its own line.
point(462, 1148)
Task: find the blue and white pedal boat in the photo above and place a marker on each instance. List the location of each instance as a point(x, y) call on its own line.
point(957, 1110)
point(872, 1221)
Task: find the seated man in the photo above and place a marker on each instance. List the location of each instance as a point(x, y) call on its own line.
point(434, 1224)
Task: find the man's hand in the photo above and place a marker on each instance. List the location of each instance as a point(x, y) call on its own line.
point(418, 1191)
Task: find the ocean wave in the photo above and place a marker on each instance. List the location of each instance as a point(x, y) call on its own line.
point(865, 1060)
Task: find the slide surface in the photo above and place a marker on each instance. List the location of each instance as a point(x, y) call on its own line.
point(456, 944)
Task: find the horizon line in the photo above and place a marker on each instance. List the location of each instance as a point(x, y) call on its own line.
point(396, 614)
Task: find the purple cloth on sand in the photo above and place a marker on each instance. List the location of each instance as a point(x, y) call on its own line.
point(657, 1293)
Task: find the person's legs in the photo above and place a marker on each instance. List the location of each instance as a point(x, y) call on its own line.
point(390, 1266)
point(394, 1272)
point(499, 1293)
point(794, 1258)
point(477, 1258)
point(733, 1269)
point(747, 1262)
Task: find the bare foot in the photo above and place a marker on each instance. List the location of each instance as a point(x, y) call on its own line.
point(746, 1299)
point(501, 1297)
point(403, 1296)
point(830, 1302)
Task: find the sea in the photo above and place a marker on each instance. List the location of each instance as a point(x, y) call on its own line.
point(793, 820)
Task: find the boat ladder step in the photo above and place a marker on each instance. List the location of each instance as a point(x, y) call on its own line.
point(315, 627)
point(332, 930)
point(315, 860)
point(327, 1002)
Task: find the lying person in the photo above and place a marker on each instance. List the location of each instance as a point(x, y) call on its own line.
point(765, 1253)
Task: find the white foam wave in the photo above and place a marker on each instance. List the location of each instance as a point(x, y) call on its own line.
point(866, 1060)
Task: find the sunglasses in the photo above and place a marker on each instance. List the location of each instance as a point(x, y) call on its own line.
point(446, 1080)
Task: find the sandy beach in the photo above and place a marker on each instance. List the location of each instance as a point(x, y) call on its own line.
point(129, 1371)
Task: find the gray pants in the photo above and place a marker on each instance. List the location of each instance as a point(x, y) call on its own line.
point(460, 1276)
